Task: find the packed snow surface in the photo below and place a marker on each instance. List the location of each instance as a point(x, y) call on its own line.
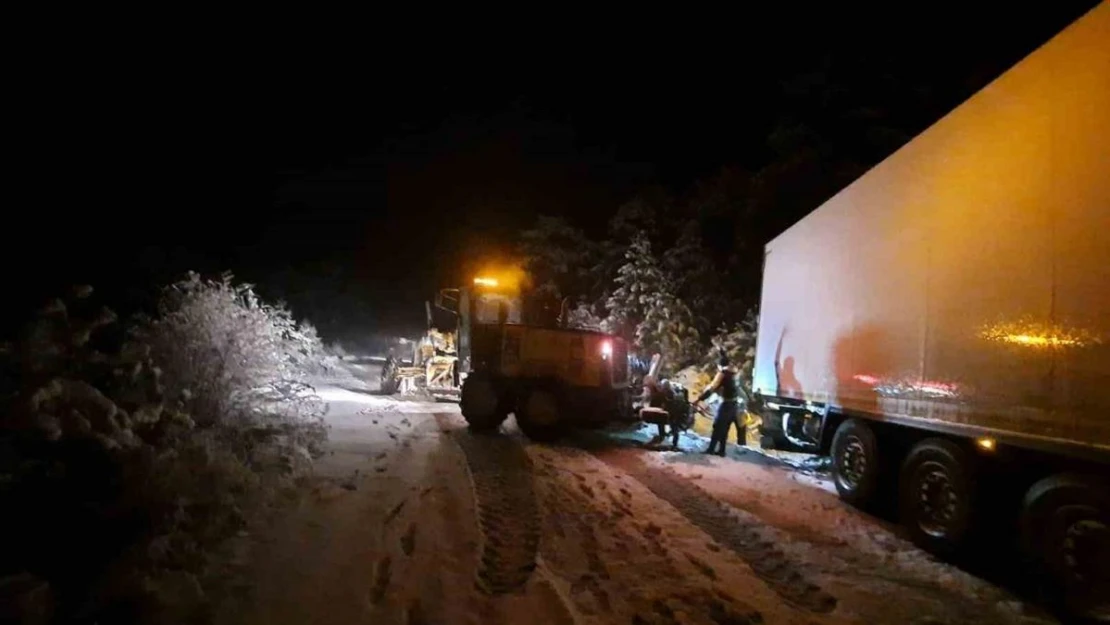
point(412, 519)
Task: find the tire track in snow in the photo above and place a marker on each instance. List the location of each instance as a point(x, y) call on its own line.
point(728, 529)
point(617, 568)
point(508, 515)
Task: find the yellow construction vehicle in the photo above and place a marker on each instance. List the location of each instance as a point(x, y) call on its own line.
point(506, 351)
point(431, 368)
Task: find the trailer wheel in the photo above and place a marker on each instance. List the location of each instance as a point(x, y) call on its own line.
point(935, 492)
point(480, 404)
point(1065, 530)
point(537, 414)
point(856, 467)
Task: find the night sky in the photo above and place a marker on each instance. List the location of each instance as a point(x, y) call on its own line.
point(386, 164)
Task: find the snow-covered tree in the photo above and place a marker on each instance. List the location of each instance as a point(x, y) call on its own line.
point(637, 280)
point(738, 343)
point(668, 328)
point(558, 257)
point(635, 217)
point(645, 309)
point(691, 269)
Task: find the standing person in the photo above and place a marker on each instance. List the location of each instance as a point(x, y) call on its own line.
point(727, 385)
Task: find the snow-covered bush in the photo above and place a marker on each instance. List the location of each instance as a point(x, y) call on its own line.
point(127, 454)
point(582, 317)
point(235, 362)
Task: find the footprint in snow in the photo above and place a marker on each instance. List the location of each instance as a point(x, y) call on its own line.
point(382, 573)
point(408, 541)
point(394, 512)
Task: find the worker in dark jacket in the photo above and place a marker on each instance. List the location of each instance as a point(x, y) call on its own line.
point(726, 384)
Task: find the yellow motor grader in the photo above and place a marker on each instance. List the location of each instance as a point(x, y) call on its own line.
point(432, 368)
point(507, 352)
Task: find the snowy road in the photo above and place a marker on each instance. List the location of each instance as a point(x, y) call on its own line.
point(411, 519)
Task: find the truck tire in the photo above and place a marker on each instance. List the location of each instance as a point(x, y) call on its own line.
point(936, 493)
point(1065, 531)
point(480, 403)
point(537, 414)
point(855, 453)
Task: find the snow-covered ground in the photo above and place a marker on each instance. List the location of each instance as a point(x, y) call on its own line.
point(411, 519)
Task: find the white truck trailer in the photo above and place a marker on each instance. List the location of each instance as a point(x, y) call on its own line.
point(941, 327)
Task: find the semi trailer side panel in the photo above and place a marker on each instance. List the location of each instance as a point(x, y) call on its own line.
point(966, 279)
